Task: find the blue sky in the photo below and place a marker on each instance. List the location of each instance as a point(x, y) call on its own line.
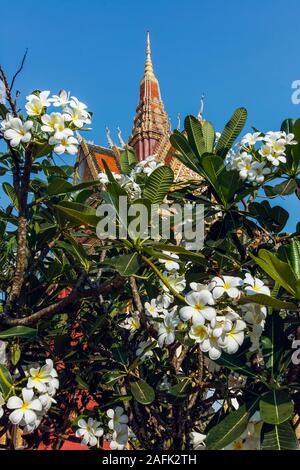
point(238, 53)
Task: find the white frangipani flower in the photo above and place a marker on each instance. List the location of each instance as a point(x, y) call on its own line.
point(41, 376)
point(164, 300)
point(228, 284)
point(212, 346)
point(199, 332)
point(175, 280)
point(244, 165)
point(166, 331)
point(253, 285)
point(258, 172)
point(170, 264)
point(251, 139)
point(36, 103)
point(77, 117)
point(62, 99)
point(18, 132)
point(152, 309)
point(117, 418)
point(89, 431)
point(234, 338)
point(132, 323)
point(119, 438)
point(198, 287)
point(64, 145)
point(199, 307)
point(24, 409)
point(220, 325)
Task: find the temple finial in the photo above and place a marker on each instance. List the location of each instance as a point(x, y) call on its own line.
point(122, 143)
point(200, 114)
point(149, 66)
point(109, 140)
point(178, 122)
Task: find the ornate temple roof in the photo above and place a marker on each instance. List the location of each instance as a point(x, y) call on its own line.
point(150, 133)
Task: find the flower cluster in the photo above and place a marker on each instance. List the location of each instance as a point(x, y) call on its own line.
point(55, 128)
point(260, 154)
point(36, 398)
point(89, 431)
point(212, 316)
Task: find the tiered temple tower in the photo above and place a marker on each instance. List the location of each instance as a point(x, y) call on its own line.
point(151, 123)
point(150, 133)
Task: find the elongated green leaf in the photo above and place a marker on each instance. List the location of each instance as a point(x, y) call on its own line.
point(10, 192)
point(231, 131)
point(187, 156)
point(112, 377)
point(281, 437)
point(208, 136)
point(77, 213)
point(18, 331)
point(273, 342)
point(59, 186)
point(236, 364)
point(142, 392)
point(6, 380)
point(193, 129)
point(127, 160)
point(126, 265)
point(278, 270)
point(180, 389)
point(268, 301)
point(231, 427)
point(276, 406)
point(158, 184)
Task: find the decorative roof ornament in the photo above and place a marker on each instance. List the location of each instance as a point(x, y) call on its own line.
point(109, 139)
point(178, 122)
point(170, 126)
point(122, 143)
point(149, 72)
point(200, 114)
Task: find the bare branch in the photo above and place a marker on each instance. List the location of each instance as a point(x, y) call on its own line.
point(18, 71)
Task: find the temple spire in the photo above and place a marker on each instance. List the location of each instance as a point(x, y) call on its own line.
point(148, 66)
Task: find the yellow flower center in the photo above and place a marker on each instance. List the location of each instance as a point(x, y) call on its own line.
point(25, 406)
point(198, 307)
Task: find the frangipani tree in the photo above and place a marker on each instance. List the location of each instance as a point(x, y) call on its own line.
point(177, 348)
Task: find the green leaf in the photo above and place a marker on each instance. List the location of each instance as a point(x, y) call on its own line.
point(10, 192)
point(281, 272)
point(41, 149)
point(268, 301)
point(3, 111)
point(18, 331)
point(193, 129)
point(231, 427)
point(59, 186)
point(6, 380)
point(273, 218)
point(236, 364)
point(180, 389)
point(231, 132)
point(281, 437)
point(77, 213)
point(187, 156)
point(158, 184)
point(208, 136)
point(126, 265)
point(112, 377)
point(127, 160)
point(273, 342)
point(282, 189)
point(119, 354)
point(142, 392)
point(276, 406)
